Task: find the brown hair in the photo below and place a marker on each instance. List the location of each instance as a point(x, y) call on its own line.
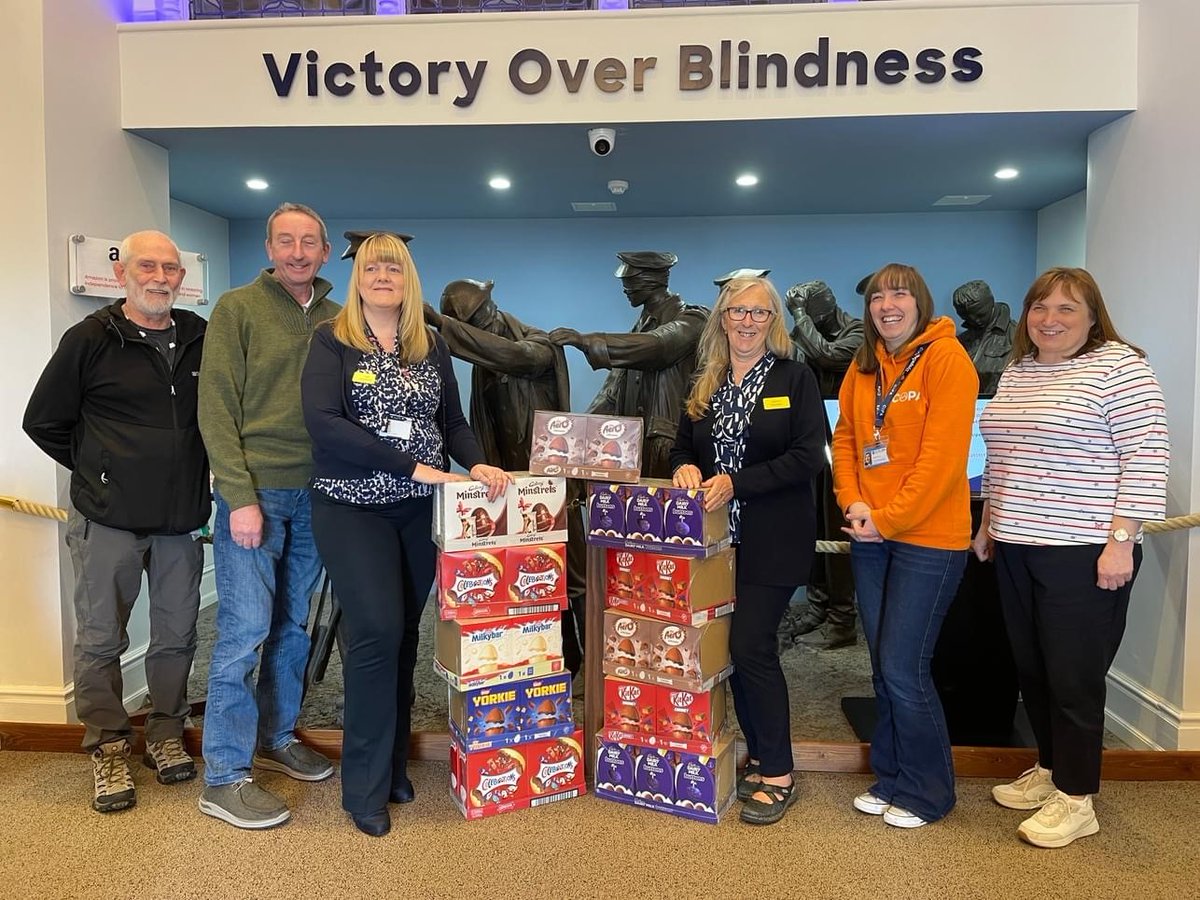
point(893, 276)
point(1079, 285)
point(349, 325)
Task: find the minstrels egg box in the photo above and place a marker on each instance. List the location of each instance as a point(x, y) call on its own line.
point(465, 519)
point(537, 509)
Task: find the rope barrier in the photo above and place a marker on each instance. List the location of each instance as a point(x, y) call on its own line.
point(1176, 523)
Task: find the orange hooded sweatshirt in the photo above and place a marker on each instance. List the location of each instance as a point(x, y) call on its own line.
point(920, 496)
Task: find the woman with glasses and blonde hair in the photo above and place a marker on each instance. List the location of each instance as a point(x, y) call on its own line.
point(382, 407)
point(1077, 459)
point(753, 435)
point(900, 475)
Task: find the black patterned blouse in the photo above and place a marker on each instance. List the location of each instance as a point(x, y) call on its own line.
point(383, 391)
point(732, 405)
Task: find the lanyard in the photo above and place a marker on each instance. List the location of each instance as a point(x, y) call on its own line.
point(883, 401)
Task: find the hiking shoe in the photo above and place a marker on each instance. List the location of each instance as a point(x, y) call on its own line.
point(829, 637)
point(169, 761)
point(868, 803)
point(114, 783)
point(295, 760)
point(243, 804)
point(902, 818)
point(1030, 791)
point(1060, 821)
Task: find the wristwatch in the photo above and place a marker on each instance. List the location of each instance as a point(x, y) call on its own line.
point(1120, 535)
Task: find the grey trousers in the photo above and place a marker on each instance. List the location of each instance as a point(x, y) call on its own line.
point(108, 577)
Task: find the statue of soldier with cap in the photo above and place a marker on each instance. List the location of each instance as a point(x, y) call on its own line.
point(652, 365)
point(987, 335)
point(516, 369)
point(826, 336)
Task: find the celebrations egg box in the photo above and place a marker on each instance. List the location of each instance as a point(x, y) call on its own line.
point(489, 782)
point(487, 652)
point(511, 714)
point(533, 510)
point(691, 657)
point(691, 785)
point(682, 589)
point(507, 581)
point(578, 445)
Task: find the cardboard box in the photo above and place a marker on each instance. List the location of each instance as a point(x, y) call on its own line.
point(680, 589)
point(656, 517)
point(511, 714)
point(490, 782)
point(475, 653)
point(577, 445)
point(606, 512)
point(629, 707)
point(690, 720)
point(537, 510)
point(690, 657)
point(506, 581)
point(694, 786)
point(465, 519)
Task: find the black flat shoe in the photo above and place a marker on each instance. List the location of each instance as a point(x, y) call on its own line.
point(402, 792)
point(376, 824)
point(758, 812)
point(746, 787)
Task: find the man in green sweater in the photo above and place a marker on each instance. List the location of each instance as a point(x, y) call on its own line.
point(266, 562)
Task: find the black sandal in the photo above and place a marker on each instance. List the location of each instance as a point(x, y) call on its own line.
point(756, 812)
point(746, 788)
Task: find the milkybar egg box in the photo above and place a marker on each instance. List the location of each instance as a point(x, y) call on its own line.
point(627, 646)
point(464, 518)
point(614, 449)
point(690, 720)
point(537, 509)
point(606, 510)
point(471, 653)
point(629, 707)
point(684, 589)
point(691, 657)
point(644, 513)
point(472, 584)
point(557, 443)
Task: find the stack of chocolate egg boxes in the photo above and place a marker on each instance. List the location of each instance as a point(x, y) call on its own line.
point(501, 589)
point(669, 593)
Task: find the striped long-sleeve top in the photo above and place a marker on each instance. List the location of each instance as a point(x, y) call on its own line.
point(1071, 444)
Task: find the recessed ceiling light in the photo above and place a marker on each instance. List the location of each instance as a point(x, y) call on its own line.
point(256, 184)
point(499, 183)
point(746, 180)
point(1006, 173)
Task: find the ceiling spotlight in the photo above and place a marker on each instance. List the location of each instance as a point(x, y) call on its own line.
point(499, 183)
point(1006, 173)
point(256, 184)
point(746, 180)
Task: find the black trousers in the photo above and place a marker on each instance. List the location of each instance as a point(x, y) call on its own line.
point(760, 693)
point(381, 562)
point(1064, 632)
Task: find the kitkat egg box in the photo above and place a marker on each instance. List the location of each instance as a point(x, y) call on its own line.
point(690, 720)
point(630, 707)
point(557, 443)
point(683, 589)
point(464, 518)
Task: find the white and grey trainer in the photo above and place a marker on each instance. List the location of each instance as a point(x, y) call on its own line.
point(295, 760)
point(1033, 788)
point(243, 804)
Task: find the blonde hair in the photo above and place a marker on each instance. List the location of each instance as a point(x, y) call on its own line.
point(713, 348)
point(1079, 285)
point(893, 276)
point(349, 326)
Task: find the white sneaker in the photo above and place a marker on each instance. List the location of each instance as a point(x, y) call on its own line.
point(902, 818)
point(1030, 791)
point(868, 803)
point(1060, 820)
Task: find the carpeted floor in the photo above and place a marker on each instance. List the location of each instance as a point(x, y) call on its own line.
point(53, 846)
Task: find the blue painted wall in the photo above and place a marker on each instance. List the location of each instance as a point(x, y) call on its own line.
point(552, 272)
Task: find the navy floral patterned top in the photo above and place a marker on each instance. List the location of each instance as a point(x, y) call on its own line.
point(731, 406)
point(385, 392)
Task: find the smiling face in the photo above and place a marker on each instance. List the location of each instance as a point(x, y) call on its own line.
point(297, 252)
point(747, 338)
point(895, 316)
point(1058, 325)
point(151, 276)
point(381, 286)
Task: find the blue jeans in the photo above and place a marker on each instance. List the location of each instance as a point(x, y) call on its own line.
point(263, 598)
point(903, 594)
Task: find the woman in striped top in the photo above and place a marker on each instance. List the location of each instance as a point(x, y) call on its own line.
point(1077, 460)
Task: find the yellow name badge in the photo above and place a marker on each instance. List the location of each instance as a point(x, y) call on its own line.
point(777, 403)
point(363, 377)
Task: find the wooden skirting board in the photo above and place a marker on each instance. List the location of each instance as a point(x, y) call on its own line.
point(810, 756)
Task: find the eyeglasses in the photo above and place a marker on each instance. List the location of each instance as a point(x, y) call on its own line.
point(757, 314)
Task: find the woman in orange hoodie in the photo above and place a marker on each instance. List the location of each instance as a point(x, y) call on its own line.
point(900, 474)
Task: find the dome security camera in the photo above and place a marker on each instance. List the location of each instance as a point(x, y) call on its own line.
point(602, 140)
